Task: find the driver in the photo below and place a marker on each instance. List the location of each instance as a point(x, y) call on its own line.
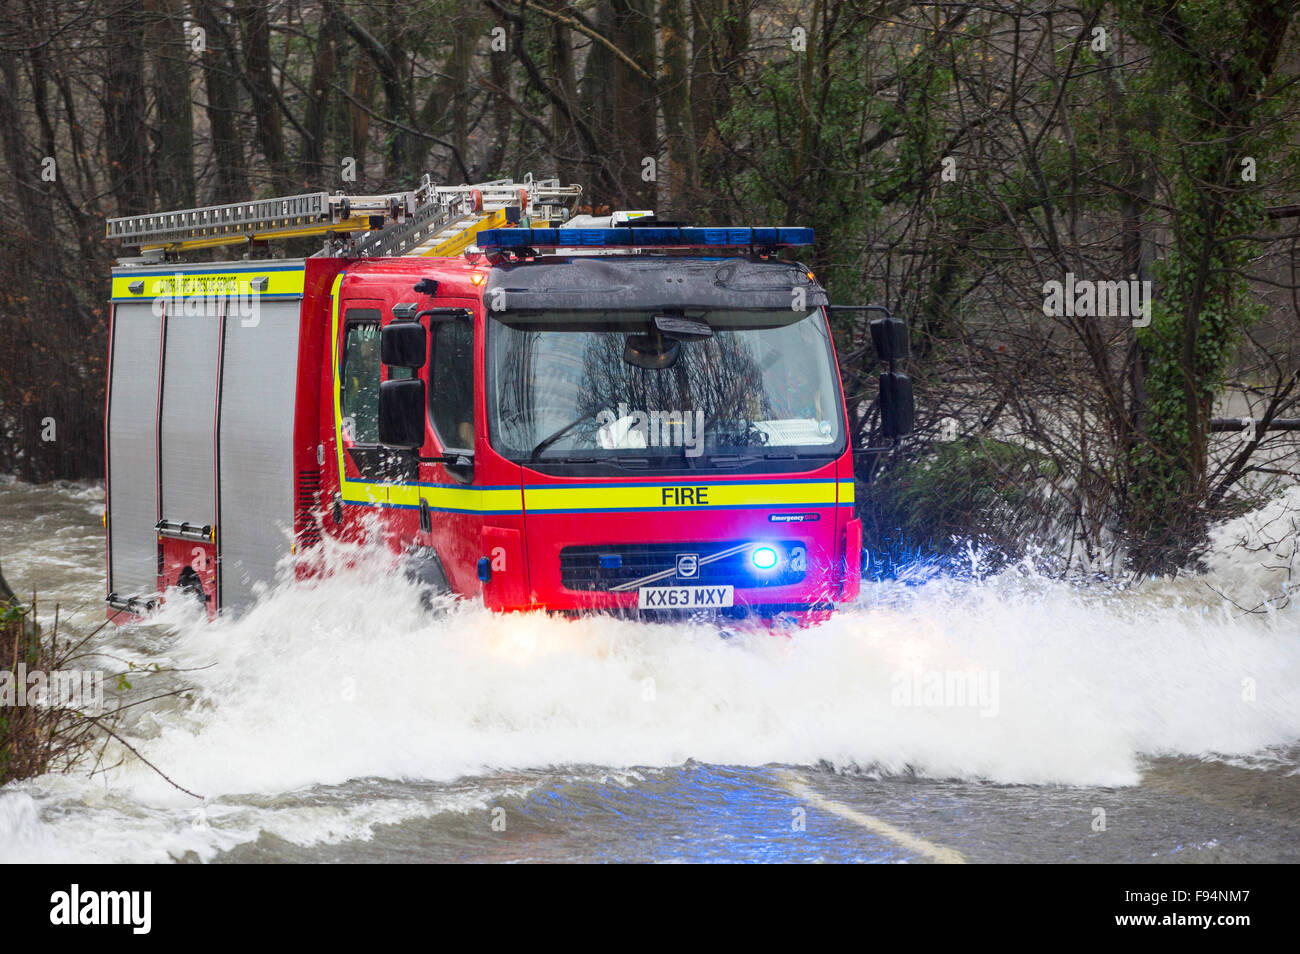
point(792, 391)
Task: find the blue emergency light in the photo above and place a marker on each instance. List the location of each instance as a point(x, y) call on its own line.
point(645, 237)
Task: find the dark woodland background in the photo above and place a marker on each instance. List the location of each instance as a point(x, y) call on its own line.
point(951, 156)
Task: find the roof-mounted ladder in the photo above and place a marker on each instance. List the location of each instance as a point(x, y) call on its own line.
point(430, 220)
point(315, 213)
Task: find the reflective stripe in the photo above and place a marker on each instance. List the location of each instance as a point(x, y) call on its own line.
point(603, 498)
point(593, 499)
point(182, 281)
point(846, 492)
point(680, 496)
point(465, 499)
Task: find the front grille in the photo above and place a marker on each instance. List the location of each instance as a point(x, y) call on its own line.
point(581, 567)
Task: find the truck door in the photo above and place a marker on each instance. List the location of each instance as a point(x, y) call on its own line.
point(365, 467)
point(449, 497)
point(451, 385)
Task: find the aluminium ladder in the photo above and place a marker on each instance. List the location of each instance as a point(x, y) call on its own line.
point(429, 220)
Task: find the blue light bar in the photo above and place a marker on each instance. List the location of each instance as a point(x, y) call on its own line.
point(662, 237)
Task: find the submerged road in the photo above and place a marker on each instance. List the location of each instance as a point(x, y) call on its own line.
point(1183, 812)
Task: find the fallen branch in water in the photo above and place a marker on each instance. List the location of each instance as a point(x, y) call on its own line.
point(47, 698)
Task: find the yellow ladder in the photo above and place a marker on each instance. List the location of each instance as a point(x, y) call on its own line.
point(429, 220)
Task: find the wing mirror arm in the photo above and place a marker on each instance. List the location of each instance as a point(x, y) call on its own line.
point(889, 336)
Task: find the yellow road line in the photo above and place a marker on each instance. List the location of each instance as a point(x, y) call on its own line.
point(797, 786)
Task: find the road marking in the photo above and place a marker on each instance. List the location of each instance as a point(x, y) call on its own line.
point(798, 786)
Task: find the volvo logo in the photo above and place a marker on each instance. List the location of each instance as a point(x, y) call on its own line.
point(688, 565)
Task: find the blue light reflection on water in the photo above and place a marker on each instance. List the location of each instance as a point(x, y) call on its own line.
point(701, 814)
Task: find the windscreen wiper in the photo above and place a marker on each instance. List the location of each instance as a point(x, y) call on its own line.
point(550, 439)
point(568, 460)
point(732, 460)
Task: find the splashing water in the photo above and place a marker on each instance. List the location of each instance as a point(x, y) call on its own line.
point(328, 682)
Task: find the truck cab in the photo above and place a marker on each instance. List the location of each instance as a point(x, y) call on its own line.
point(651, 433)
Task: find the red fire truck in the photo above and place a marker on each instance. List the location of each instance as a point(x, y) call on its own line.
point(541, 410)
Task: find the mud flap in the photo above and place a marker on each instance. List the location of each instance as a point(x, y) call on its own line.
point(188, 582)
point(423, 567)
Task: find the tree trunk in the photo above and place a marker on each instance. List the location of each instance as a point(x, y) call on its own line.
point(502, 115)
point(361, 89)
point(620, 105)
point(462, 51)
point(255, 36)
point(311, 157)
point(125, 121)
point(635, 112)
point(173, 155)
point(6, 594)
point(47, 394)
point(220, 69)
point(402, 157)
point(564, 148)
point(674, 94)
point(720, 32)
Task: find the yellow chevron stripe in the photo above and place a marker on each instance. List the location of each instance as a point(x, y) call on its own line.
point(678, 496)
point(186, 282)
point(473, 499)
point(594, 499)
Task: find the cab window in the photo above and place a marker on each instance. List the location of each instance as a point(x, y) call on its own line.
point(359, 377)
point(451, 383)
point(360, 374)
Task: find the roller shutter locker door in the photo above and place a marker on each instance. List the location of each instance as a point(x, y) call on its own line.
point(255, 449)
point(188, 411)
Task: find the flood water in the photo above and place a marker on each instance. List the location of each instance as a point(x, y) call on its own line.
point(1010, 717)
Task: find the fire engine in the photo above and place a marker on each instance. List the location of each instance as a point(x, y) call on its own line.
point(541, 409)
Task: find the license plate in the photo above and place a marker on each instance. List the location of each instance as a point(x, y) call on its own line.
point(685, 597)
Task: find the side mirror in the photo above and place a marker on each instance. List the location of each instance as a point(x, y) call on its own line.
point(404, 344)
point(889, 338)
point(897, 409)
point(401, 413)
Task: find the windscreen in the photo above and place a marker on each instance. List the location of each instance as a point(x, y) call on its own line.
point(662, 385)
